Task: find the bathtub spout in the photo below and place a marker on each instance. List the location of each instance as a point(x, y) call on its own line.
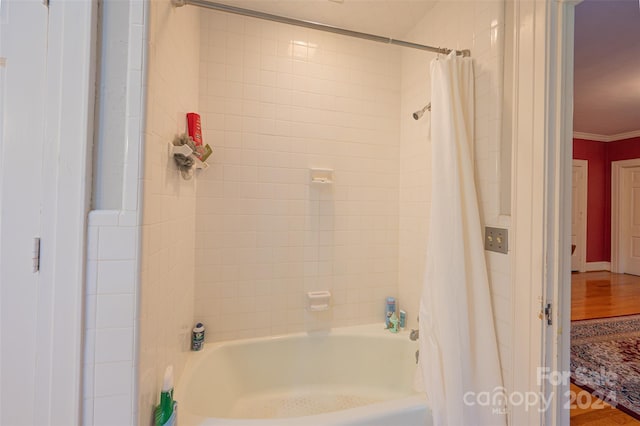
point(414, 335)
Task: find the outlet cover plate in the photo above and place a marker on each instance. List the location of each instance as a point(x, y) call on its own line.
point(496, 239)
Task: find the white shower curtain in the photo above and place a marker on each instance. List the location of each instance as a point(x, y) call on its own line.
point(458, 347)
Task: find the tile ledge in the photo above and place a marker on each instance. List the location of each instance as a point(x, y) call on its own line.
point(103, 217)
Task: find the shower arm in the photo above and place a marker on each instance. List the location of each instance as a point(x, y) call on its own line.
point(315, 25)
point(418, 114)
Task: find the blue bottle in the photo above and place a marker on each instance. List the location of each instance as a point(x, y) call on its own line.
point(390, 310)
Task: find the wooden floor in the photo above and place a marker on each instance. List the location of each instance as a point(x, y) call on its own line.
point(600, 295)
point(603, 294)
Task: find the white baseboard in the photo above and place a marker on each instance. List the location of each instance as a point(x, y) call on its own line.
point(597, 266)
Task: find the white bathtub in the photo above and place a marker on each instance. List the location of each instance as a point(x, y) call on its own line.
point(351, 376)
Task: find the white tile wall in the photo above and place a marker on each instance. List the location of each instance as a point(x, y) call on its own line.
point(110, 311)
point(278, 100)
point(137, 321)
point(112, 293)
point(463, 25)
point(168, 225)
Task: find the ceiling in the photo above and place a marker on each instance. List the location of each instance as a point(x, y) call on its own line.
point(607, 67)
point(607, 48)
point(387, 18)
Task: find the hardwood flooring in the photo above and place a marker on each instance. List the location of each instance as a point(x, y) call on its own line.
point(603, 294)
point(600, 295)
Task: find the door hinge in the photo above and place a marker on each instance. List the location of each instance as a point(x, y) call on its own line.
point(36, 254)
point(45, 2)
point(546, 314)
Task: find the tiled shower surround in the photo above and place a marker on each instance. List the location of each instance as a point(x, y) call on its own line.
point(277, 101)
point(239, 246)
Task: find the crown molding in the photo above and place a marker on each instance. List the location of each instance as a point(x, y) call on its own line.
point(591, 137)
point(606, 138)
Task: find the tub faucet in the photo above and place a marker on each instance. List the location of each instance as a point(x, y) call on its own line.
point(415, 334)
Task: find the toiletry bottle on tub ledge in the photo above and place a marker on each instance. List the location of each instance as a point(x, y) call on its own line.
point(197, 337)
point(390, 310)
point(393, 323)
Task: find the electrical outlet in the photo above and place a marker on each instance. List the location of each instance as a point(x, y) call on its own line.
point(496, 239)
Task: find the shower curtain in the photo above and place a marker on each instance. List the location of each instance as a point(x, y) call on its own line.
point(458, 347)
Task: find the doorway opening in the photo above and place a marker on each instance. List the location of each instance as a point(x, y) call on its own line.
point(625, 216)
point(607, 140)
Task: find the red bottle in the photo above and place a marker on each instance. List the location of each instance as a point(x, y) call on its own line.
point(194, 127)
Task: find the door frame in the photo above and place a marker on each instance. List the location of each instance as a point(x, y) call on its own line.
point(559, 122)
point(71, 72)
point(617, 168)
point(541, 264)
point(66, 183)
point(583, 205)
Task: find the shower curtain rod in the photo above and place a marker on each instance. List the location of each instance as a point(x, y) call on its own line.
point(314, 25)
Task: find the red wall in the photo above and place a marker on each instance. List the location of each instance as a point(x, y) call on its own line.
point(595, 153)
point(600, 155)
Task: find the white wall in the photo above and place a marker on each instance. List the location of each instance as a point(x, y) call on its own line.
point(140, 267)
point(168, 226)
point(463, 25)
point(277, 100)
point(112, 293)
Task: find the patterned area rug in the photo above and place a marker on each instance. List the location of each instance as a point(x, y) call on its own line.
point(605, 359)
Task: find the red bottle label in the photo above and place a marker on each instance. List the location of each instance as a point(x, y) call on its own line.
point(194, 127)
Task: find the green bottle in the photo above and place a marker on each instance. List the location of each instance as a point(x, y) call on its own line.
point(165, 412)
point(393, 323)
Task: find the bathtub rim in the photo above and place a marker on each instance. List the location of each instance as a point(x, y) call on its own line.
point(195, 358)
point(363, 415)
point(377, 329)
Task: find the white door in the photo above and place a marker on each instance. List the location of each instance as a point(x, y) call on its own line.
point(630, 220)
point(23, 49)
point(579, 215)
